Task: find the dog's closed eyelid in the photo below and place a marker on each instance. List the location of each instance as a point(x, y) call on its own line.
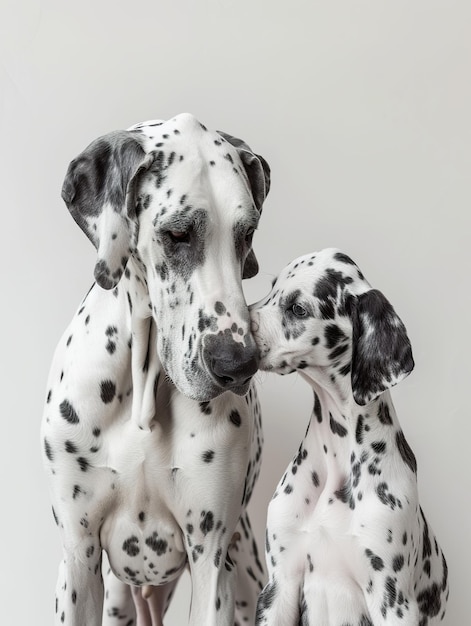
point(179, 236)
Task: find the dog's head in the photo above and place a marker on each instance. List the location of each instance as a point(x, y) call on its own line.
point(174, 207)
point(322, 314)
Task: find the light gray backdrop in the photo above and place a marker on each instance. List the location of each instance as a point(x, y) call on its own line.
point(362, 109)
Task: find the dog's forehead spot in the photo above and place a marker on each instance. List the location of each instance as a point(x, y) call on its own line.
point(180, 220)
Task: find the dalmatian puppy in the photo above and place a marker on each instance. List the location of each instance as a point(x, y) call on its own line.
point(346, 542)
point(152, 431)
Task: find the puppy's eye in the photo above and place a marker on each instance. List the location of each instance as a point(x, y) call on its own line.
point(179, 236)
point(298, 310)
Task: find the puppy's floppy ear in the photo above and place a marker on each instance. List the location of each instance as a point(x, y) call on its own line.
point(381, 350)
point(258, 173)
point(99, 191)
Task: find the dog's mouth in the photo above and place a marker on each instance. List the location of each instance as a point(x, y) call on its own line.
point(217, 367)
point(208, 390)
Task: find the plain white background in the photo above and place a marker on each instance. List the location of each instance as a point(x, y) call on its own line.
point(362, 108)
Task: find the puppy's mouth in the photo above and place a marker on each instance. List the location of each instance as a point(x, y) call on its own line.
point(266, 362)
point(263, 349)
point(265, 354)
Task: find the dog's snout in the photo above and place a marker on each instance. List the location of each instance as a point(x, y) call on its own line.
point(230, 363)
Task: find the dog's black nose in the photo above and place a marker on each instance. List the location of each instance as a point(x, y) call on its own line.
point(231, 363)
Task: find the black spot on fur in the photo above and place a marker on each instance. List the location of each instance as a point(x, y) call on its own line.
point(70, 447)
point(208, 456)
point(344, 494)
point(333, 335)
point(359, 430)
point(48, 450)
point(386, 497)
point(111, 347)
point(398, 562)
point(337, 353)
point(376, 562)
point(207, 523)
point(327, 310)
point(329, 285)
point(68, 412)
point(406, 452)
point(107, 391)
point(266, 598)
point(317, 408)
point(379, 447)
point(197, 550)
point(159, 546)
point(384, 415)
point(429, 600)
point(235, 418)
point(390, 591)
point(131, 546)
point(343, 258)
point(337, 428)
point(83, 463)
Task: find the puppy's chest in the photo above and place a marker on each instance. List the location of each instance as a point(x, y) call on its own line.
point(332, 487)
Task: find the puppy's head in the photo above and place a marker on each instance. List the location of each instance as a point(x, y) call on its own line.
point(322, 315)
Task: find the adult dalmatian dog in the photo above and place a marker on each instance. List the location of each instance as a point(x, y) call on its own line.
point(152, 431)
point(347, 542)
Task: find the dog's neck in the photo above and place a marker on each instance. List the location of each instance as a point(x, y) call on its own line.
point(340, 430)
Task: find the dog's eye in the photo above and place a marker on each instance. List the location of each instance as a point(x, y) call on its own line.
point(179, 236)
point(298, 310)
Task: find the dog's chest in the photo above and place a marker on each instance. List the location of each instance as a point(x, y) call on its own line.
point(144, 530)
point(140, 531)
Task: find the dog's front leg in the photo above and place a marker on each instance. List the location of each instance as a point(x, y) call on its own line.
point(79, 591)
point(207, 536)
point(213, 585)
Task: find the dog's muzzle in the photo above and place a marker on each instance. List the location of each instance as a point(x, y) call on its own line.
point(230, 363)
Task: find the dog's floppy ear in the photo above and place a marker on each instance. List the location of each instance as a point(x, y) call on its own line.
point(99, 192)
point(381, 351)
point(258, 173)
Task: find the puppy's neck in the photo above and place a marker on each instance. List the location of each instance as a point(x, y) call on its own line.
point(341, 427)
point(336, 391)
